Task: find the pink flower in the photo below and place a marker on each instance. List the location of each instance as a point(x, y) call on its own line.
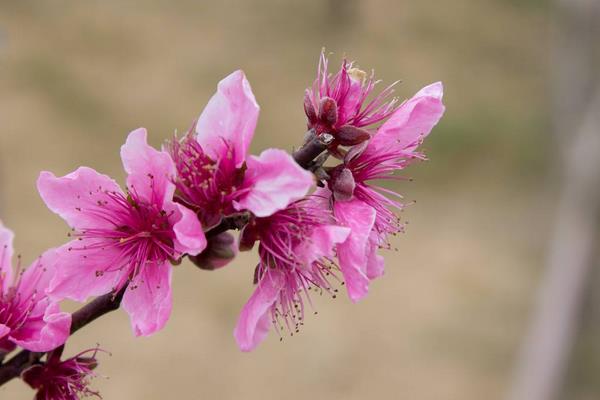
point(63, 380)
point(368, 209)
point(123, 238)
point(296, 255)
point(337, 104)
point(215, 175)
point(28, 318)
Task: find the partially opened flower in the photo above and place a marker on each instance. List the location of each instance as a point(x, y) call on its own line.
point(63, 380)
point(370, 209)
point(123, 237)
point(296, 249)
point(339, 104)
point(28, 318)
point(215, 175)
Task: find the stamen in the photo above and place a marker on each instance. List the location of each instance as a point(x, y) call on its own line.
point(280, 235)
point(138, 234)
point(207, 186)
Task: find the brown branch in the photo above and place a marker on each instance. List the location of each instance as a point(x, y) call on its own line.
point(95, 309)
point(234, 221)
point(80, 318)
point(305, 155)
point(18, 364)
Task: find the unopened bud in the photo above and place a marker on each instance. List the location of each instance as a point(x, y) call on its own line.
point(220, 250)
point(309, 108)
point(342, 184)
point(248, 237)
point(349, 135)
point(328, 111)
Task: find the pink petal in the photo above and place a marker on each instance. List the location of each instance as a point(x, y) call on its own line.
point(255, 320)
point(274, 180)
point(6, 253)
point(150, 171)
point(85, 273)
point(189, 236)
point(322, 197)
point(375, 262)
point(352, 254)
point(411, 122)
point(78, 197)
point(44, 334)
point(230, 115)
point(36, 279)
point(352, 99)
point(321, 243)
point(148, 300)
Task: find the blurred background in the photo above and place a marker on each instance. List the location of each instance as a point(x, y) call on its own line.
point(458, 313)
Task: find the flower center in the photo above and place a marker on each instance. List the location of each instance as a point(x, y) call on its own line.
point(207, 186)
point(15, 307)
point(138, 232)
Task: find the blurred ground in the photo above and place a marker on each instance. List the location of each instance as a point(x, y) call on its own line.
point(445, 321)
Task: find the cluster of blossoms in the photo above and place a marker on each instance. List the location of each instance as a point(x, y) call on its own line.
point(317, 224)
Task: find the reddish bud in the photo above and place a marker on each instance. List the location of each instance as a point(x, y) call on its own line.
point(328, 111)
point(342, 183)
point(247, 238)
point(309, 108)
point(220, 250)
point(349, 135)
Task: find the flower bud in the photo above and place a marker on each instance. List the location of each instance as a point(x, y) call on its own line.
point(247, 238)
point(328, 112)
point(349, 135)
point(342, 183)
point(309, 108)
point(220, 250)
